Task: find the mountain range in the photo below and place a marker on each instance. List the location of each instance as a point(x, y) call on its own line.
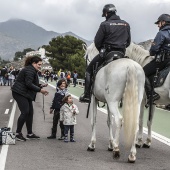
point(17, 35)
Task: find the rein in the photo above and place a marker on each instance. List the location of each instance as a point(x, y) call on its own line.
point(87, 59)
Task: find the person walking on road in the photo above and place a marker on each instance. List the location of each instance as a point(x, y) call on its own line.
point(68, 114)
point(56, 105)
point(11, 76)
point(68, 78)
point(24, 92)
point(75, 75)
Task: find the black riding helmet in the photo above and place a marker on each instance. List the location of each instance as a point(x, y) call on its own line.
point(108, 8)
point(163, 17)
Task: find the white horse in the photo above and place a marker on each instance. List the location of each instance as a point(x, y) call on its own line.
point(120, 78)
point(140, 55)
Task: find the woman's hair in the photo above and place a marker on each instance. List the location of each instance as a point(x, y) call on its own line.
point(65, 99)
point(60, 82)
point(32, 59)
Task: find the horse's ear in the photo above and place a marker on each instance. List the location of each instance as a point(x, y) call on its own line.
point(84, 47)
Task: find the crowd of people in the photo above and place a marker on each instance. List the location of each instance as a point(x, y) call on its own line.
point(8, 75)
point(55, 76)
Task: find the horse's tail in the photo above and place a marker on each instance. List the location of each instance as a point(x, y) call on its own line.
point(130, 106)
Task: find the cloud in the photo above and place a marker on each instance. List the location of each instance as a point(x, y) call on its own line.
point(83, 17)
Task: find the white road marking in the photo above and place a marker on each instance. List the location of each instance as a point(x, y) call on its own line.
point(6, 111)
point(155, 135)
point(11, 100)
point(4, 150)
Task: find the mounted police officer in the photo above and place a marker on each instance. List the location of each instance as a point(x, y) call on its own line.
point(112, 35)
point(160, 48)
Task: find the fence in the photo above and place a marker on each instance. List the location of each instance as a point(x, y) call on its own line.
point(80, 82)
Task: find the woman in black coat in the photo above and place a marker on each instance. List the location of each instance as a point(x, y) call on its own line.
point(24, 92)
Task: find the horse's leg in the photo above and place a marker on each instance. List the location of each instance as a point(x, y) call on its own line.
point(139, 141)
point(93, 111)
point(113, 109)
point(110, 125)
point(147, 143)
point(132, 156)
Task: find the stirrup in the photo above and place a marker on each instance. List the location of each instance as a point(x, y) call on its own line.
point(156, 96)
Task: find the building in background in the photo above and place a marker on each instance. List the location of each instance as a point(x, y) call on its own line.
point(41, 52)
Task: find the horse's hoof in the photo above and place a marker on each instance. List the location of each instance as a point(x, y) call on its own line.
point(145, 146)
point(116, 154)
point(90, 149)
point(110, 149)
point(131, 161)
point(138, 146)
point(131, 158)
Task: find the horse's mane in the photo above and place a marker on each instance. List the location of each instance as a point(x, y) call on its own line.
point(138, 54)
point(91, 51)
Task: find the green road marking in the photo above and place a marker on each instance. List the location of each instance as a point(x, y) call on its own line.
point(161, 118)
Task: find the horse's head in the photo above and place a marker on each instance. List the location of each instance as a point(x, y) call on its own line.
point(90, 52)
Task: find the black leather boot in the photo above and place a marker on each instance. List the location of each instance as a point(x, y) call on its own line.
point(53, 134)
point(148, 90)
point(85, 98)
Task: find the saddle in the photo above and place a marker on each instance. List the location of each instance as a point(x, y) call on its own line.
point(110, 56)
point(161, 77)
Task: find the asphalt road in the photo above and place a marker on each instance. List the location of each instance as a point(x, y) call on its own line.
point(53, 154)
point(5, 104)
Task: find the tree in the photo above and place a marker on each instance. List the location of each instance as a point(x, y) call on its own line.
point(19, 54)
point(66, 53)
point(27, 50)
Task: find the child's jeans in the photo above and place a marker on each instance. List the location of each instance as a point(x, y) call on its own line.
point(66, 129)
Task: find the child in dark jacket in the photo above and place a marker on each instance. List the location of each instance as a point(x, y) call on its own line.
point(56, 105)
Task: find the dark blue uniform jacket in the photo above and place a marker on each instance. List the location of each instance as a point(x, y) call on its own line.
point(114, 32)
point(161, 41)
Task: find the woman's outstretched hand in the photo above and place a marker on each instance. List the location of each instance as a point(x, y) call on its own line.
point(44, 85)
point(44, 92)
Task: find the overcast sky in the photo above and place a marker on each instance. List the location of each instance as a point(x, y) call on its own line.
point(83, 17)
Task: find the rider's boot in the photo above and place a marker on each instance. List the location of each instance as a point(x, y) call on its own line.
point(85, 97)
point(148, 90)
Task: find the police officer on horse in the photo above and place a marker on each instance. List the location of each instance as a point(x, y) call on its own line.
point(112, 35)
point(160, 48)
